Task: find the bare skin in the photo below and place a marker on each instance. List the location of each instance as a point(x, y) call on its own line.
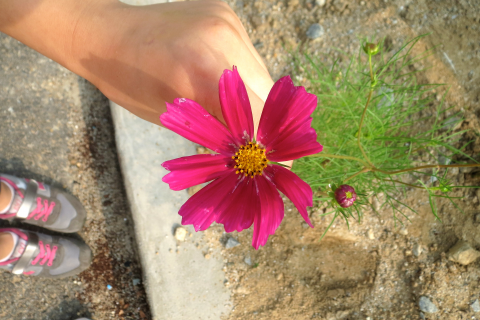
point(6, 244)
point(6, 239)
point(5, 196)
point(142, 57)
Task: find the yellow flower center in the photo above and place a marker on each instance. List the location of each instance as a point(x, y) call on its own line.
point(348, 195)
point(250, 159)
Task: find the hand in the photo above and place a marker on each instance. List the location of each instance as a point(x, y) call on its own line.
point(153, 54)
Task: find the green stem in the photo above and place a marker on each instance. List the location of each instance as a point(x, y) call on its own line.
point(360, 129)
point(327, 155)
point(371, 68)
point(359, 172)
point(372, 86)
point(438, 166)
point(407, 184)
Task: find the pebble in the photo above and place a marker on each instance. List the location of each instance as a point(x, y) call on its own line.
point(475, 306)
point(136, 282)
point(180, 233)
point(320, 3)
point(452, 123)
point(426, 305)
point(315, 31)
point(417, 250)
point(231, 242)
point(477, 218)
point(370, 234)
point(443, 160)
point(248, 260)
point(109, 287)
point(258, 45)
point(463, 253)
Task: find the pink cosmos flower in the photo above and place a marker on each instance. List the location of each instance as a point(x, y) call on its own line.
point(245, 183)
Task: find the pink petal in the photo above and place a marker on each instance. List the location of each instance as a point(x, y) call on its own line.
point(286, 109)
point(294, 188)
point(236, 106)
point(191, 121)
point(271, 211)
point(238, 214)
point(301, 143)
point(205, 205)
point(190, 171)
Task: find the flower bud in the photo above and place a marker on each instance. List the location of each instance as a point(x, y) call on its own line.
point(371, 49)
point(345, 195)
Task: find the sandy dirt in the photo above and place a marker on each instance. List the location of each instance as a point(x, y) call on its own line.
point(375, 270)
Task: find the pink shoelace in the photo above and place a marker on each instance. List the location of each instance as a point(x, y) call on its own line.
point(42, 210)
point(46, 254)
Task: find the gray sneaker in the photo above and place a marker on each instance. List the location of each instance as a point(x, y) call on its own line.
point(48, 256)
point(44, 206)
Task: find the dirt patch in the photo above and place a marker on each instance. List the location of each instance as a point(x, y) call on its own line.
point(113, 283)
point(377, 269)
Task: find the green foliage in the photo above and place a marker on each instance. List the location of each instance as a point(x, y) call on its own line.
point(401, 125)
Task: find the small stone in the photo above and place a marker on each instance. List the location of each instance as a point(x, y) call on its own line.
point(422, 316)
point(258, 45)
point(463, 253)
point(180, 233)
point(293, 3)
point(417, 250)
point(444, 160)
point(315, 31)
point(470, 75)
point(305, 225)
point(136, 282)
point(475, 306)
point(231, 242)
point(207, 256)
point(452, 123)
point(202, 150)
point(320, 3)
point(477, 218)
point(280, 277)
point(370, 234)
point(248, 260)
point(426, 305)
point(192, 190)
point(242, 290)
point(109, 287)
point(342, 314)
point(403, 232)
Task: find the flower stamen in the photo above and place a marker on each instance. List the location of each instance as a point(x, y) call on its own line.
point(251, 160)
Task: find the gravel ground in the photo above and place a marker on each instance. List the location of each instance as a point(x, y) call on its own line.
point(374, 270)
point(56, 128)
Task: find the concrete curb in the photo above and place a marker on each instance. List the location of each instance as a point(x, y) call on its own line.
point(180, 283)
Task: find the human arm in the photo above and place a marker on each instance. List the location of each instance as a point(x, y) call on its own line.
point(142, 57)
